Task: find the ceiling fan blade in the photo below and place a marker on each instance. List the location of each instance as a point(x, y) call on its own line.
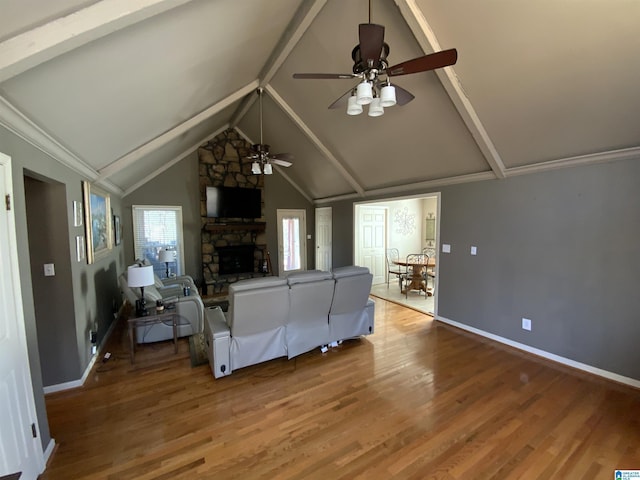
point(282, 156)
point(282, 163)
point(323, 76)
point(425, 63)
point(342, 101)
point(371, 42)
point(402, 96)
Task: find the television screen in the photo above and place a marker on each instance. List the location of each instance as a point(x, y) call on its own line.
point(233, 202)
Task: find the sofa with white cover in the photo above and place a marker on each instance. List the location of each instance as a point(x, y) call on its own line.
point(170, 291)
point(273, 317)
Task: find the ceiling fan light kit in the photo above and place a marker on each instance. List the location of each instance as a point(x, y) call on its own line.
point(375, 108)
point(353, 108)
point(388, 96)
point(369, 62)
point(364, 93)
point(261, 156)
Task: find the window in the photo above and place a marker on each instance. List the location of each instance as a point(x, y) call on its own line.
point(155, 228)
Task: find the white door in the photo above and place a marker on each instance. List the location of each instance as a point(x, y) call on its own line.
point(20, 451)
point(371, 241)
point(323, 238)
point(292, 240)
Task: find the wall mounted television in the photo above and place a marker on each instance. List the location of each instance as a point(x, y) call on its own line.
point(233, 202)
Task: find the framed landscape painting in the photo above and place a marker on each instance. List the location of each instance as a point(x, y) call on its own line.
point(98, 225)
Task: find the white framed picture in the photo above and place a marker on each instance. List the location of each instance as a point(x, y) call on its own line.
point(80, 248)
point(77, 213)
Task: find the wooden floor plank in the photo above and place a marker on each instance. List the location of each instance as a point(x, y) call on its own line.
point(417, 399)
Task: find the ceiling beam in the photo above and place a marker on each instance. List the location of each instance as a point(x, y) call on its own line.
point(429, 44)
point(301, 21)
point(171, 163)
point(175, 132)
point(36, 46)
point(316, 141)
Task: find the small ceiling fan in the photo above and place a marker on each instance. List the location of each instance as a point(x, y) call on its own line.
point(261, 156)
point(370, 65)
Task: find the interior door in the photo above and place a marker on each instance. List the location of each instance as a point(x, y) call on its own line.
point(292, 240)
point(371, 238)
point(323, 238)
point(20, 450)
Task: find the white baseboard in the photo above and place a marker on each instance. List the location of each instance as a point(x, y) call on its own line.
point(49, 450)
point(544, 354)
point(78, 383)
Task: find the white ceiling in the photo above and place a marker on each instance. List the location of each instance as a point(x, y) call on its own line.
point(121, 89)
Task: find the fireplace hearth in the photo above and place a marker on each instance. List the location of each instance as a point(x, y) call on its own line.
point(236, 259)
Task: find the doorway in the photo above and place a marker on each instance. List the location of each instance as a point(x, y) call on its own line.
point(410, 224)
point(323, 238)
point(292, 244)
point(48, 237)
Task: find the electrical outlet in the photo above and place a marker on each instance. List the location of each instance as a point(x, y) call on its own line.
point(526, 324)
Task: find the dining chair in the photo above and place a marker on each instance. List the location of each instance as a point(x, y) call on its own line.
point(392, 256)
point(429, 272)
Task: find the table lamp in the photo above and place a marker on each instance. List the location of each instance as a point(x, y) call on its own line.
point(140, 276)
point(167, 256)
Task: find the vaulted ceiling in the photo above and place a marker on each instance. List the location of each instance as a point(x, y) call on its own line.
point(119, 90)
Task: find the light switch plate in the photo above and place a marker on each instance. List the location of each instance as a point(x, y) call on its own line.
point(49, 270)
point(474, 250)
point(446, 248)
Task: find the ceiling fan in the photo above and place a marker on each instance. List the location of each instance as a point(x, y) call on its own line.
point(262, 157)
point(370, 65)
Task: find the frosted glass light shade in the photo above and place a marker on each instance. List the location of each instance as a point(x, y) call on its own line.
point(268, 170)
point(138, 276)
point(255, 168)
point(353, 108)
point(364, 93)
point(375, 108)
point(388, 96)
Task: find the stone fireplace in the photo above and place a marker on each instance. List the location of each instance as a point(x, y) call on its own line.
point(232, 249)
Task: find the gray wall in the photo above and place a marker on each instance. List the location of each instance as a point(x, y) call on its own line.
point(559, 248)
point(179, 185)
point(176, 186)
point(95, 289)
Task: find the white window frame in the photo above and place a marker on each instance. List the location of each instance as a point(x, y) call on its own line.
point(139, 245)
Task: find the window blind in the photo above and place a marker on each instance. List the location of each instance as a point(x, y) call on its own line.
point(156, 228)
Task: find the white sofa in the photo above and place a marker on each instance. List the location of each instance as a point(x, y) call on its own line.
point(273, 317)
point(190, 309)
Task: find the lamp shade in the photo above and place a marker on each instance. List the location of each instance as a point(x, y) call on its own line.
point(375, 108)
point(255, 168)
point(388, 96)
point(167, 255)
point(140, 276)
point(364, 93)
point(268, 170)
point(353, 108)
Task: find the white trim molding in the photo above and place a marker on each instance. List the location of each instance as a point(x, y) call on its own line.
point(632, 382)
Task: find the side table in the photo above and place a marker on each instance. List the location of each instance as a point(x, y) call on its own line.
point(152, 318)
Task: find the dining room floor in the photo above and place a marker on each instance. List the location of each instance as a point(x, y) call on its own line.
point(414, 299)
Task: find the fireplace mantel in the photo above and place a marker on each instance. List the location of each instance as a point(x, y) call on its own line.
point(236, 227)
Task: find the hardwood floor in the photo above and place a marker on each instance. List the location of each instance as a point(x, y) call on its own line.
point(417, 399)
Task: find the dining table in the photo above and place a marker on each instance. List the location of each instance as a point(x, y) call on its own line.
point(417, 280)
